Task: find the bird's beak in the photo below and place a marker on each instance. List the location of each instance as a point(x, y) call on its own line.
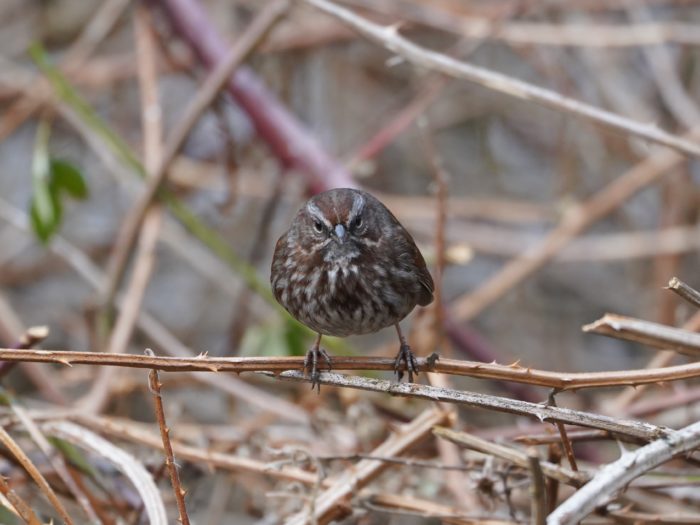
point(340, 232)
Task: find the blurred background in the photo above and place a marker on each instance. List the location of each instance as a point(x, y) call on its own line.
point(512, 171)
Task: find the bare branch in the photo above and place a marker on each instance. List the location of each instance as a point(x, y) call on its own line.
point(155, 384)
point(214, 83)
point(326, 504)
point(287, 137)
point(511, 454)
point(22, 507)
point(575, 221)
point(637, 429)
point(127, 464)
point(661, 359)
point(389, 37)
point(537, 489)
point(647, 332)
point(685, 291)
point(204, 363)
point(615, 476)
point(35, 474)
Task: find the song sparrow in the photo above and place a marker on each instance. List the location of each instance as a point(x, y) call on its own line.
point(346, 266)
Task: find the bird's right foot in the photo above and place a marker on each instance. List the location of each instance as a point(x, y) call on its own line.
point(311, 365)
point(405, 358)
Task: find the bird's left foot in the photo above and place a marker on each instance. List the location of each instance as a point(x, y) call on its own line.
point(407, 357)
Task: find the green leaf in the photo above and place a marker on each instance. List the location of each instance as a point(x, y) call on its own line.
point(7, 516)
point(41, 172)
point(45, 211)
point(51, 178)
point(5, 399)
point(295, 336)
point(65, 176)
point(74, 456)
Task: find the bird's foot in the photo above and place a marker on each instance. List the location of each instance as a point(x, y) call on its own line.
point(406, 357)
point(311, 365)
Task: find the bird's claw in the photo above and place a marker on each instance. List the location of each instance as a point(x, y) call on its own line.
point(406, 356)
point(311, 365)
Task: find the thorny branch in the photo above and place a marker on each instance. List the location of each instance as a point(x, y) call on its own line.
point(154, 385)
point(515, 372)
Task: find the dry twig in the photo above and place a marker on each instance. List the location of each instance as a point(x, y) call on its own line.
point(157, 332)
point(288, 138)
point(635, 429)
point(328, 504)
point(155, 384)
point(685, 291)
point(203, 363)
point(35, 474)
point(537, 491)
point(511, 454)
point(23, 509)
point(389, 37)
point(648, 333)
point(615, 476)
point(56, 461)
point(661, 359)
point(151, 122)
point(214, 83)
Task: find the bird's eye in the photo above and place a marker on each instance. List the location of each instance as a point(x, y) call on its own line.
point(357, 222)
point(318, 226)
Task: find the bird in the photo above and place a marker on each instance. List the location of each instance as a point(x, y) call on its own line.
point(346, 266)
